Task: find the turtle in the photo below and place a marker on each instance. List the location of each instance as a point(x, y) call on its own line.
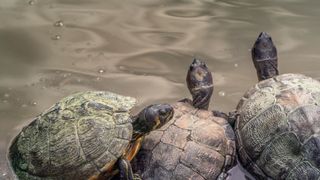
point(278, 120)
point(195, 144)
point(86, 135)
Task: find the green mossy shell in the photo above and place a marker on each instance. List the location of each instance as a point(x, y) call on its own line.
point(193, 145)
point(75, 138)
point(278, 128)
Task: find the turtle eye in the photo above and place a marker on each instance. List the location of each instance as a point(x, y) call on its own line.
point(162, 112)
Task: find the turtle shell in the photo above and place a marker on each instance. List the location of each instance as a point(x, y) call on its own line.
point(278, 128)
point(193, 145)
point(80, 136)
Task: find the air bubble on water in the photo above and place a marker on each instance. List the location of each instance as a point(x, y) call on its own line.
point(31, 2)
point(6, 95)
point(101, 71)
point(66, 75)
point(98, 79)
point(222, 93)
point(78, 80)
point(236, 65)
point(4, 174)
point(34, 103)
point(56, 37)
point(59, 23)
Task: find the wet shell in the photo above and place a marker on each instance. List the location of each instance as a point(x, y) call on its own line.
point(278, 128)
point(75, 138)
point(193, 145)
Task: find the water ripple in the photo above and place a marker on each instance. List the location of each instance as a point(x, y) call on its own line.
point(158, 63)
point(156, 37)
point(142, 48)
point(142, 86)
point(188, 13)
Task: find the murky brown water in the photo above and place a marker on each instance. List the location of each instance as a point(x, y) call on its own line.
point(142, 48)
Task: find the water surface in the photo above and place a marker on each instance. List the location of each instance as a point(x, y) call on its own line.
point(52, 48)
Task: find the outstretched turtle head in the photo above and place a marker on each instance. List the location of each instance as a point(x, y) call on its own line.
point(264, 57)
point(151, 118)
point(200, 85)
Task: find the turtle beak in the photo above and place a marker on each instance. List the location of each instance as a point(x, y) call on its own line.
point(263, 35)
point(264, 57)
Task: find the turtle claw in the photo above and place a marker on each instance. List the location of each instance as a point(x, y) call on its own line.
point(125, 169)
point(232, 117)
point(186, 100)
point(136, 177)
point(220, 114)
point(223, 176)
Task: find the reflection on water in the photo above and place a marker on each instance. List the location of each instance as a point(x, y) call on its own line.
point(52, 48)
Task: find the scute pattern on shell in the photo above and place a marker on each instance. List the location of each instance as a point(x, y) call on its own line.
point(193, 145)
point(278, 128)
point(75, 138)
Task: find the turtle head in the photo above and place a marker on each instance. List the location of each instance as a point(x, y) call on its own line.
point(200, 85)
point(151, 118)
point(264, 57)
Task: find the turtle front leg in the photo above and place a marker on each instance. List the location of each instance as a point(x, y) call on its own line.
point(186, 100)
point(223, 176)
point(124, 166)
point(231, 117)
point(134, 148)
point(125, 170)
point(220, 114)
